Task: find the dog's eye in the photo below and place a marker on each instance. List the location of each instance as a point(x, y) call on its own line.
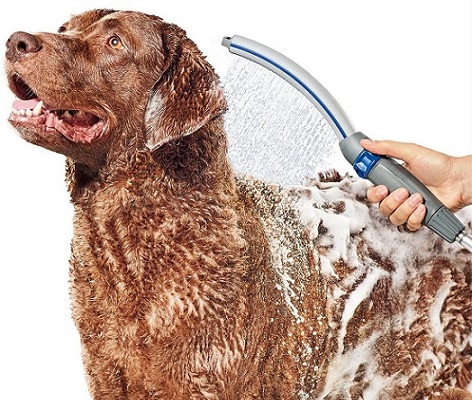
point(115, 42)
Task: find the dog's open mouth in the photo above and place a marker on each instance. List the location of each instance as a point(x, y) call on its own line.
point(29, 110)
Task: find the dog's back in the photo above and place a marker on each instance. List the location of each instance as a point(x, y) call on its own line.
point(390, 314)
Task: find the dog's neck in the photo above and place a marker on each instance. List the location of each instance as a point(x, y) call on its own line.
point(194, 163)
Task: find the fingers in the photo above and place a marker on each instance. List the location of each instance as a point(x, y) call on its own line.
point(399, 206)
point(429, 166)
point(391, 203)
point(406, 211)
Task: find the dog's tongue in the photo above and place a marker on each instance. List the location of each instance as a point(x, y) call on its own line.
point(25, 104)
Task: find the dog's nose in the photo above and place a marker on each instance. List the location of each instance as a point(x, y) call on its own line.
point(20, 44)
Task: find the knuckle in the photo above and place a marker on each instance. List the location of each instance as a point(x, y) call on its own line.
point(396, 219)
point(387, 206)
point(412, 226)
point(384, 210)
point(371, 196)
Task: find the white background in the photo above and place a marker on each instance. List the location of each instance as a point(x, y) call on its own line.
point(401, 69)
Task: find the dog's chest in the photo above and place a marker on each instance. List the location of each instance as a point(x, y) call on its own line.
point(150, 283)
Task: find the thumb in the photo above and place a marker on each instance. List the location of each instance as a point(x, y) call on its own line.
point(403, 151)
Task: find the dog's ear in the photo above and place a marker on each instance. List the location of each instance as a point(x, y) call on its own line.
point(186, 96)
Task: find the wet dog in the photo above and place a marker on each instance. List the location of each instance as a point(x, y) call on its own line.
point(188, 282)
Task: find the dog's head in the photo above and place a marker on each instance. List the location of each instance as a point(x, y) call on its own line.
point(105, 75)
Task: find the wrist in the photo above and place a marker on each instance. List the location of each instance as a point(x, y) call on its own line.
point(463, 176)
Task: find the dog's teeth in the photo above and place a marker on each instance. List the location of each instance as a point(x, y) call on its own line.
point(22, 112)
point(37, 110)
point(29, 113)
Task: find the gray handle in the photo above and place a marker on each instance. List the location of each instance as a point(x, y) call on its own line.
point(382, 170)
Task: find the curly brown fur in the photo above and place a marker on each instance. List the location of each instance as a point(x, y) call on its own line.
point(190, 283)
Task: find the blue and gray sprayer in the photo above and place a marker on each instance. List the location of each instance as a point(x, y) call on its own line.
point(380, 170)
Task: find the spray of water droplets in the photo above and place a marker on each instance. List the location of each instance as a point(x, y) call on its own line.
point(274, 132)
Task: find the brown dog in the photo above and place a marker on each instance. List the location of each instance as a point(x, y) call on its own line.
point(189, 283)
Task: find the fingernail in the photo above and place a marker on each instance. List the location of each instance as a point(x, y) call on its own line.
point(415, 200)
point(400, 194)
point(366, 141)
point(381, 191)
point(421, 209)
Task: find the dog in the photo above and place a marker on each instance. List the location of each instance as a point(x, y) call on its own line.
point(189, 282)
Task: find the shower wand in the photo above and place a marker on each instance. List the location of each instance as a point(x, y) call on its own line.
point(380, 170)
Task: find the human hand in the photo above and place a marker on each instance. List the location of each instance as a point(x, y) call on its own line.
point(444, 175)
